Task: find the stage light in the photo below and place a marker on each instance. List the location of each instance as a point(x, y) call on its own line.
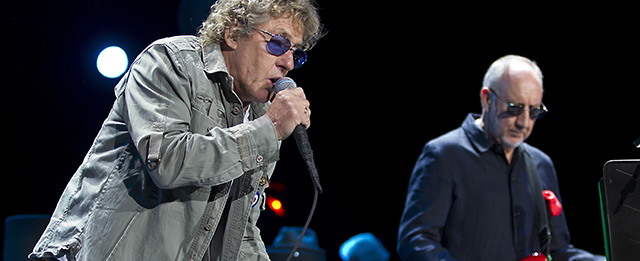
point(275, 205)
point(364, 246)
point(112, 62)
point(308, 250)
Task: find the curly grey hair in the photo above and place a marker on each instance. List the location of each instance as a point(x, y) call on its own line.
point(248, 14)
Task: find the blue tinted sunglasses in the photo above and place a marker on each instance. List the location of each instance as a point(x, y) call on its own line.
point(279, 45)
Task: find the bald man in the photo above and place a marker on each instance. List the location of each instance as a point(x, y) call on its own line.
point(476, 192)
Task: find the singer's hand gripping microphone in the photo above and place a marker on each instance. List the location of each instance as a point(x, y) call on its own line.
point(300, 134)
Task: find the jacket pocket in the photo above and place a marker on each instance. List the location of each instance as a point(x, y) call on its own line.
point(201, 123)
point(202, 103)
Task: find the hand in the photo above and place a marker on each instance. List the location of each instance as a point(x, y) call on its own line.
point(289, 109)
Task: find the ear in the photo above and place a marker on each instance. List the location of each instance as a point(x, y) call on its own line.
point(485, 97)
point(231, 38)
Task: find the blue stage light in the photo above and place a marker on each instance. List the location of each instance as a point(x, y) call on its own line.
point(364, 246)
point(112, 62)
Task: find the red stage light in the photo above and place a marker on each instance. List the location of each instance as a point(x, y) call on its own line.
point(275, 205)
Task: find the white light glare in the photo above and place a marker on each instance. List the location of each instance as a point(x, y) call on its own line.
point(112, 62)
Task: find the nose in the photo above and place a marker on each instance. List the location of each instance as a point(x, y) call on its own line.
point(285, 61)
point(523, 120)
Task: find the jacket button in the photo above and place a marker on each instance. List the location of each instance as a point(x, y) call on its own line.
point(152, 164)
point(259, 158)
point(235, 110)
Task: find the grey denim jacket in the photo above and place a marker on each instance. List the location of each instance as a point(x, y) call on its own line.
point(170, 159)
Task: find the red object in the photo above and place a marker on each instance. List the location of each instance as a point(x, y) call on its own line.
point(555, 208)
point(277, 186)
point(275, 205)
point(535, 257)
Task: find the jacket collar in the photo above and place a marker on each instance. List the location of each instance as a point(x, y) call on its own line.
point(213, 59)
point(480, 139)
point(214, 63)
point(476, 135)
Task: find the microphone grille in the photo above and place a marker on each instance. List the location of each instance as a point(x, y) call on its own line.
point(283, 84)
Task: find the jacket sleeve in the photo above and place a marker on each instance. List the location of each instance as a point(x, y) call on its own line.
point(429, 199)
point(157, 112)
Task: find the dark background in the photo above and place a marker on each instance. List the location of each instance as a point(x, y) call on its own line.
point(386, 79)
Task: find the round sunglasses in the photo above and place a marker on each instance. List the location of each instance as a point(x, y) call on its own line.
point(279, 45)
point(535, 112)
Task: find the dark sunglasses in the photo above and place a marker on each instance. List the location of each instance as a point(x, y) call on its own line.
point(279, 45)
point(517, 109)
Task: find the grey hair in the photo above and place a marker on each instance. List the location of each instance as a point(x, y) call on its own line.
point(247, 14)
point(500, 66)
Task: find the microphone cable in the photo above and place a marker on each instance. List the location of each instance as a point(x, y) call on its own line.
point(306, 225)
point(302, 140)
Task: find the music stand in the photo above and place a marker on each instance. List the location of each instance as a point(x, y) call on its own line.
point(620, 209)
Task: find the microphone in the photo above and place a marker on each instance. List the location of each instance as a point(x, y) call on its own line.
point(300, 134)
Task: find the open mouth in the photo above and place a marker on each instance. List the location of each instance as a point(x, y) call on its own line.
point(272, 93)
point(273, 81)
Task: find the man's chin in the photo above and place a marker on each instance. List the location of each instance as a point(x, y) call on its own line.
point(267, 97)
point(511, 142)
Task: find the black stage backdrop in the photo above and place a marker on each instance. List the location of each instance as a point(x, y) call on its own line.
point(386, 79)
